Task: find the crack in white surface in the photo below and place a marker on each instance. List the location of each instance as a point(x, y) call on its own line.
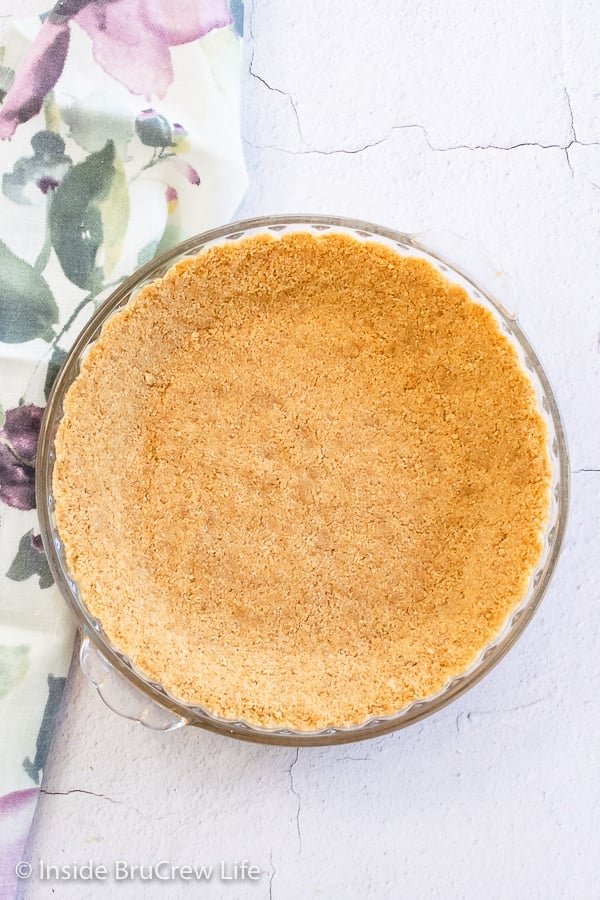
point(297, 796)
point(578, 471)
point(351, 151)
point(91, 794)
point(571, 140)
point(314, 151)
point(275, 90)
point(571, 130)
point(80, 791)
point(450, 149)
point(254, 74)
point(354, 758)
point(571, 118)
point(502, 147)
point(496, 712)
point(272, 875)
point(569, 163)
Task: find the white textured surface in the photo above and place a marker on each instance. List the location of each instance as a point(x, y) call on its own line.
point(483, 118)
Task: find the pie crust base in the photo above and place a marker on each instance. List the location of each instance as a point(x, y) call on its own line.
point(302, 481)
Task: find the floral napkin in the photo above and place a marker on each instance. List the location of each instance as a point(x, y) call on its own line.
point(119, 128)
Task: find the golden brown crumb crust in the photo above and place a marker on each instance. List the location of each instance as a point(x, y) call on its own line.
point(302, 481)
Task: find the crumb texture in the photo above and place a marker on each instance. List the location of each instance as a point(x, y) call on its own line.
point(302, 480)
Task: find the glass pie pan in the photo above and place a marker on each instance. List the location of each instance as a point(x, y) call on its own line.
point(125, 689)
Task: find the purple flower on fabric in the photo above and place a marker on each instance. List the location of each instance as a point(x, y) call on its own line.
point(132, 38)
point(180, 142)
point(131, 41)
point(186, 169)
point(16, 813)
point(172, 198)
point(35, 77)
point(37, 542)
point(36, 175)
point(18, 448)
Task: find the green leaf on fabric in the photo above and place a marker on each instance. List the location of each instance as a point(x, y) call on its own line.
point(147, 253)
point(76, 219)
point(30, 560)
point(114, 212)
point(56, 361)
point(171, 236)
point(7, 76)
point(90, 119)
point(27, 308)
point(52, 114)
point(34, 767)
point(14, 662)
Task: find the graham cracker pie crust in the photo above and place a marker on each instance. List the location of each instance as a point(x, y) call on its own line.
point(302, 481)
